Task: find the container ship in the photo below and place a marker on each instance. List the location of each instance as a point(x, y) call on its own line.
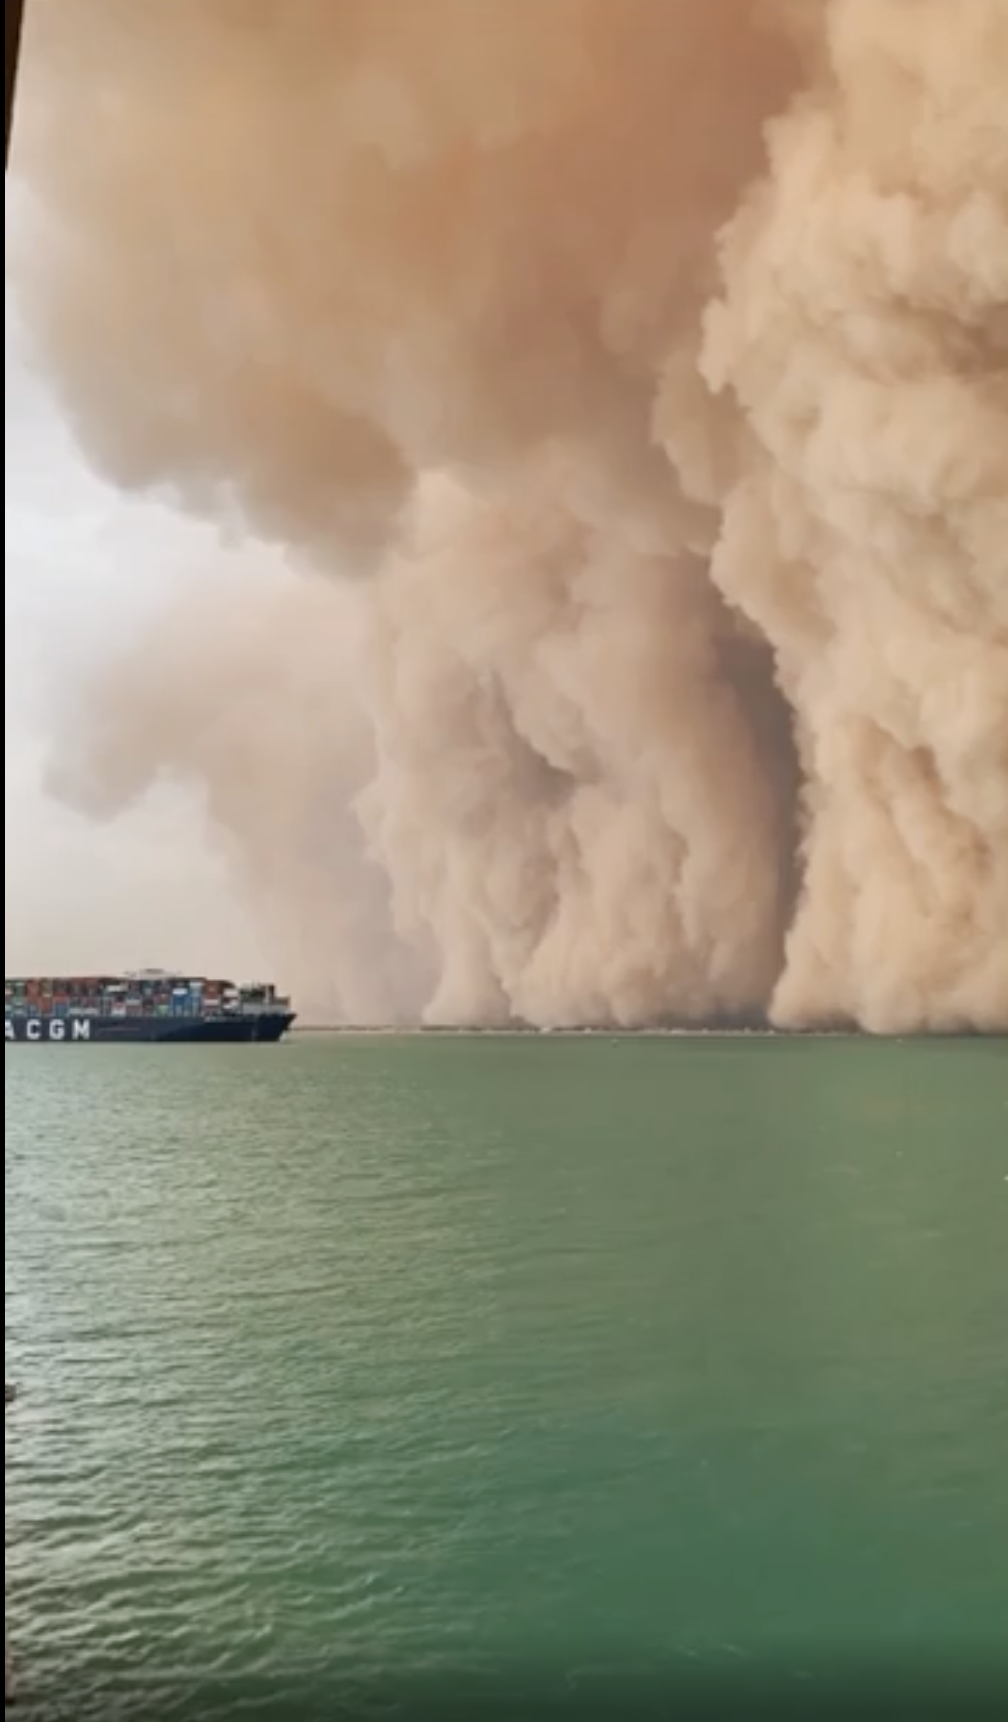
point(144, 1008)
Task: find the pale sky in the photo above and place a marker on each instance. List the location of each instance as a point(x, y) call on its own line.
point(83, 569)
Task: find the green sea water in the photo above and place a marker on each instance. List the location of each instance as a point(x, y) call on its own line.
point(472, 1376)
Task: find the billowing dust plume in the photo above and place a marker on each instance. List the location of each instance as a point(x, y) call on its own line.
point(649, 359)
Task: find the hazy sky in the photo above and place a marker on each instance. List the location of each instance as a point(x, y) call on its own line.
point(84, 568)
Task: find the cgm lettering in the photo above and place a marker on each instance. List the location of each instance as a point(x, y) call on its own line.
point(47, 1030)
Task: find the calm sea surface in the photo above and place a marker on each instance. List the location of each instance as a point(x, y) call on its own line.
point(367, 1375)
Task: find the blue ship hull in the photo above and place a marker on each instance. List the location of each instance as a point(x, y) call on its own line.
point(263, 1028)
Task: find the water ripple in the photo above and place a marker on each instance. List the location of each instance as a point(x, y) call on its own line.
point(386, 1370)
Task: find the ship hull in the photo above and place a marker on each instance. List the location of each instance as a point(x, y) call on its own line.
point(265, 1028)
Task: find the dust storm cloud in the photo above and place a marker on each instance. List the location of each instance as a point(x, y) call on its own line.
point(627, 388)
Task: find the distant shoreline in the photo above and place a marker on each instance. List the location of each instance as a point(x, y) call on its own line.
point(333, 1031)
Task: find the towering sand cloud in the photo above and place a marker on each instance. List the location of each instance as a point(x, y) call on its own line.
point(627, 385)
